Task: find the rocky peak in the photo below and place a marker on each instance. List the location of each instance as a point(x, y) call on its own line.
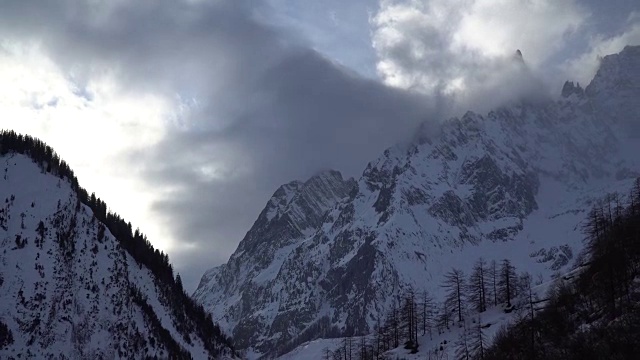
point(293, 213)
point(570, 88)
point(617, 72)
point(518, 56)
point(317, 195)
point(615, 90)
point(295, 208)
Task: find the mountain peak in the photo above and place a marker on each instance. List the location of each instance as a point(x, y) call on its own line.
point(614, 91)
point(617, 71)
point(518, 56)
point(570, 88)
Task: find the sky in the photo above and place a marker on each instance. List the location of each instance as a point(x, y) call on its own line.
point(186, 115)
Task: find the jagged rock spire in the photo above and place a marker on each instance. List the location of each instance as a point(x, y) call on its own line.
point(570, 88)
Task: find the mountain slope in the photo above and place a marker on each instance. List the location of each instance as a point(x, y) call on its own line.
point(70, 287)
point(514, 183)
point(292, 214)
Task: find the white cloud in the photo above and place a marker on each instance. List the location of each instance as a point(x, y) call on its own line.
point(465, 47)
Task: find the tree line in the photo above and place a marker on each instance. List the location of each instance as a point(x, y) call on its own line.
point(416, 314)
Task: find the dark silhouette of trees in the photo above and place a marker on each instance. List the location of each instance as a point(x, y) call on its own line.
point(463, 345)
point(593, 312)
point(6, 336)
point(444, 318)
point(478, 341)
point(477, 286)
point(493, 275)
point(409, 319)
point(454, 284)
point(427, 317)
point(506, 283)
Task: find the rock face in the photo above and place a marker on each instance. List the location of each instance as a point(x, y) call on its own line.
point(514, 183)
point(70, 289)
point(294, 213)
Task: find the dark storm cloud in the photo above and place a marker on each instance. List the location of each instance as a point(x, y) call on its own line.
point(256, 108)
point(160, 46)
point(312, 115)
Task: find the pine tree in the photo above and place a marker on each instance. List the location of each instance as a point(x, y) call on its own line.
point(444, 318)
point(362, 348)
point(478, 341)
point(463, 345)
point(454, 285)
point(347, 347)
point(395, 325)
point(507, 281)
point(478, 285)
point(493, 273)
point(427, 313)
point(409, 320)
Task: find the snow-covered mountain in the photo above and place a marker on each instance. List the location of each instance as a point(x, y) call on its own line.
point(328, 257)
point(72, 289)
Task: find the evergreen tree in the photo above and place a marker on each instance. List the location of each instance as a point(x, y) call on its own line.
point(327, 354)
point(410, 320)
point(507, 281)
point(478, 341)
point(427, 313)
point(478, 285)
point(393, 326)
point(463, 345)
point(444, 318)
point(493, 274)
point(6, 336)
point(454, 285)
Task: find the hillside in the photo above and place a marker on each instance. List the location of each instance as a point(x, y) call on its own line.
point(76, 282)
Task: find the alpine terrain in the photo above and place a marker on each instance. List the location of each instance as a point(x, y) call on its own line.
point(329, 257)
point(76, 282)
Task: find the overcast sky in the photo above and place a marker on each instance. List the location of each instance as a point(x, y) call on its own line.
point(186, 115)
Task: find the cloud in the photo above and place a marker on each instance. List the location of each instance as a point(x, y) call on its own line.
point(465, 48)
point(311, 115)
point(185, 115)
point(241, 108)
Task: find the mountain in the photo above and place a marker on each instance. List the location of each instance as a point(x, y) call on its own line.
point(76, 282)
point(293, 214)
point(515, 183)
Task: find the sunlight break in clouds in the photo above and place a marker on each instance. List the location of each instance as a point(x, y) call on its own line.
point(93, 129)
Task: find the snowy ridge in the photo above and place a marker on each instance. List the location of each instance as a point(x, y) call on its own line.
point(255, 269)
point(515, 183)
point(68, 289)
